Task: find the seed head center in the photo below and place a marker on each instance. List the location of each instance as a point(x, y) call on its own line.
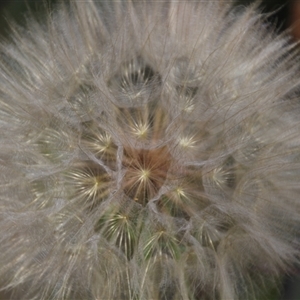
point(146, 172)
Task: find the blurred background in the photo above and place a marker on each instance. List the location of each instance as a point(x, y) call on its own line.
point(285, 15)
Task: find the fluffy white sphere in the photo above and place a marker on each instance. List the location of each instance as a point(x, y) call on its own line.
point(148, 150)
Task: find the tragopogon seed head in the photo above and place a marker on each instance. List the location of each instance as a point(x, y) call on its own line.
point(149, 150)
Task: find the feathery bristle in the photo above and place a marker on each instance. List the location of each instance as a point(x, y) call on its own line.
point(149, 150)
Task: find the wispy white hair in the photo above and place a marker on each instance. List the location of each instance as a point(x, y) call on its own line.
point(148, 150)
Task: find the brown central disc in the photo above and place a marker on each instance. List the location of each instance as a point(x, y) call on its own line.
point(146, 172)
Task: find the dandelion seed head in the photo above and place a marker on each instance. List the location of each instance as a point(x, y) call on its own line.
point(149, 150)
